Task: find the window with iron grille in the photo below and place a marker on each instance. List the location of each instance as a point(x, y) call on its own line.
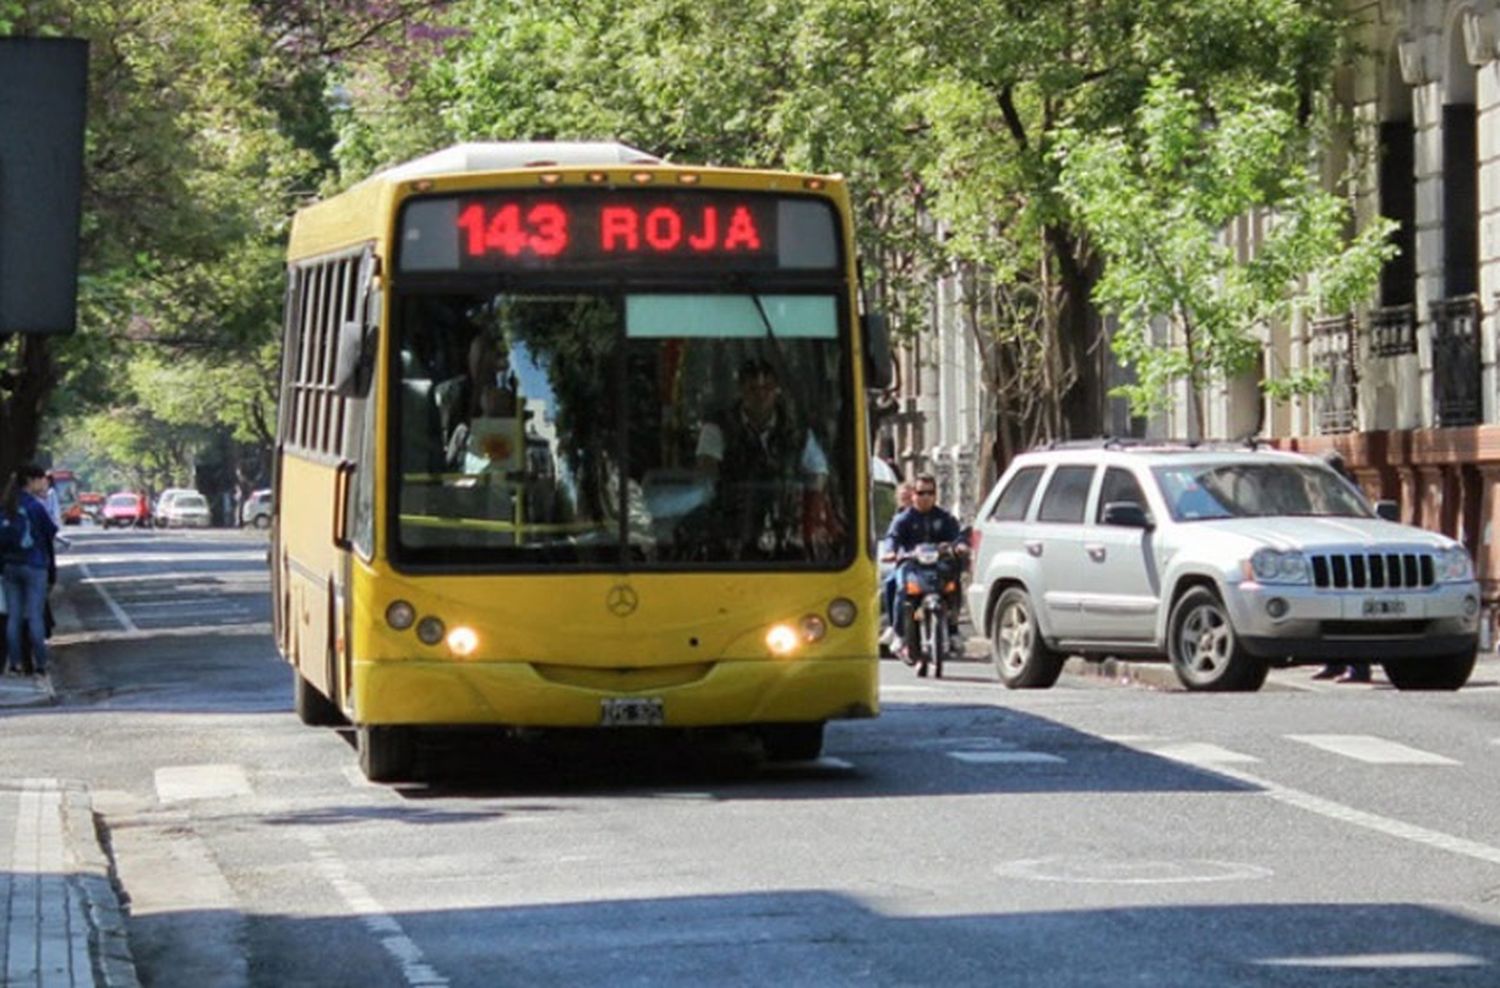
point(1455, 361)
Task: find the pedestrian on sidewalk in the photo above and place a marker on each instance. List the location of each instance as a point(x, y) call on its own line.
point(26, 532)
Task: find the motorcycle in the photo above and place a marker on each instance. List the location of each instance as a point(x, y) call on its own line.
point(928, 594)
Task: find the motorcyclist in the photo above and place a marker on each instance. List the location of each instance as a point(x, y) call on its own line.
point(923, 522)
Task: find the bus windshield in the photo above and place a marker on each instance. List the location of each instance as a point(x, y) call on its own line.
point(610, 428)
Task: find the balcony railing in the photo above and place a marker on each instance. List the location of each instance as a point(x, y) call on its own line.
point(1393, 330)
point(1456, 369)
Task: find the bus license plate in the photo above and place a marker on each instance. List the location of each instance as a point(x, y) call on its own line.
point(1376, 607)
point(631, 712)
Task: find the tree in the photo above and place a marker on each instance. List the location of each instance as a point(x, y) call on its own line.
point(1156, 203)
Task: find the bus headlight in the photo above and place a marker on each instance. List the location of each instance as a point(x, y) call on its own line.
point(400, 615)
point(430, 630)
point(813, 628)
point(463, 641)
point(783, 639)
point(841, 611)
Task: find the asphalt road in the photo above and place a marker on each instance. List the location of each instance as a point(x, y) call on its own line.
point(1092, 834)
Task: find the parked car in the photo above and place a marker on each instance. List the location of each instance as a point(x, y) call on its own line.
point(125, 509)
point(1226, 561)
point(92, 504)
point(257, 509)
point(164, 501)
point(186, 510)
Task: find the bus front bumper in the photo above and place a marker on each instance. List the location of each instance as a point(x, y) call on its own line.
point(518, 694)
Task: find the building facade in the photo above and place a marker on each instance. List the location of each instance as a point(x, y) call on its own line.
point(1413, 399)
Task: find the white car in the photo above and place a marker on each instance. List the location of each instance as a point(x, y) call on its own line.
point(187, 509)
point(1227, 561)
point(164, 501)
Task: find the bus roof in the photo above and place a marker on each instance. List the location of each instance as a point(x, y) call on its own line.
point(490, 156)
point(358, 214)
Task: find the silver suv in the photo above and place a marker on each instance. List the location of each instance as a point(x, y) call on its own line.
point(1226, 560)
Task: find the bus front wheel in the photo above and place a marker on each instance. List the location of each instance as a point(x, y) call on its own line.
point(387, 753)
point(313, 708)
point(792, 742)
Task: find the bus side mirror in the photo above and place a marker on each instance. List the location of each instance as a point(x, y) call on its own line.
point(877, 336)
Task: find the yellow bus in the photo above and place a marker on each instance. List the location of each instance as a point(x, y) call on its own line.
point(571, 437)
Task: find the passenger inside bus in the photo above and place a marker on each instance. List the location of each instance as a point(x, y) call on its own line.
point(768, 469)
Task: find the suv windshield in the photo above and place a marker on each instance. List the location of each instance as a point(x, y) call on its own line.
point(1240, 489)
point(610, 428)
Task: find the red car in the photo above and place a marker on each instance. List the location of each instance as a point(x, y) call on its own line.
point(126, 509)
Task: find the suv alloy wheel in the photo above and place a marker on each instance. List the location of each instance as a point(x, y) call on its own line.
point(1206, 653)
point(1022, 659)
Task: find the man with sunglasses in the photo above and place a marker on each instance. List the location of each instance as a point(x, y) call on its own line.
point(923, 522)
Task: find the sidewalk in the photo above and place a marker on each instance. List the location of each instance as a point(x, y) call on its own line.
point(61, 924)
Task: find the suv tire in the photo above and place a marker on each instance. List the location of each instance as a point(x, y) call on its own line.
point(1441, 672)
point(1205, 651)
point(1022, 659)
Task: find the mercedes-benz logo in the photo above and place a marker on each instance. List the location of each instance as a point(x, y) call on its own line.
point(622, 600)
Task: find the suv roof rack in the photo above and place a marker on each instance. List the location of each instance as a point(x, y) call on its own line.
point(1137, 442)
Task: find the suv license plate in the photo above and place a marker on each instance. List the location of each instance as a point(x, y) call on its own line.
point(631, 712)
point(1376, 607)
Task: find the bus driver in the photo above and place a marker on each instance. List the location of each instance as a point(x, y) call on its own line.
point(769, 473)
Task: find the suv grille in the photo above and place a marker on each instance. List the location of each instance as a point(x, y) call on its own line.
point(1373, 571)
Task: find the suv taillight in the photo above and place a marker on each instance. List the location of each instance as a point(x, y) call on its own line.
point(975, 535)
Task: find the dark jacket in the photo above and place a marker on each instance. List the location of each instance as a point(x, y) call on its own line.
point(39, 555)
point(911, 528)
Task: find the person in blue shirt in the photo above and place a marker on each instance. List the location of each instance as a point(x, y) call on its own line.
point(25, 566)
point(923, 522)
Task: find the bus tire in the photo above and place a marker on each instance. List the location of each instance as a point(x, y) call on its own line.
point(387, 753)
point(792, 742)
point(313, 708)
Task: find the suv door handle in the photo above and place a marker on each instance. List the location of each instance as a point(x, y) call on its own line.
point(1095, 551)
point(1033, 546)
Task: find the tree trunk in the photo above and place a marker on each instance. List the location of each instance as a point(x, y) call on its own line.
point(33, 377)
point(1079, 335)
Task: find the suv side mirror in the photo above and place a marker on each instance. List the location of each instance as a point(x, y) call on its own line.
point(1127, 514)
point(1389, 510)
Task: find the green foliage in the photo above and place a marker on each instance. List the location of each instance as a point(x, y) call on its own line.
point(1157, 198)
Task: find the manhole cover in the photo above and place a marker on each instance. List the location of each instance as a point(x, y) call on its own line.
point(1107, 871)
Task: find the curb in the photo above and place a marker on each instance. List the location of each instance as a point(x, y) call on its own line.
point(1150, 675)
point(93, 876)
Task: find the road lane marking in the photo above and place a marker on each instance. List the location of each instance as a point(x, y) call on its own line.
point(1198, 753)
point(126, 624)
point(183, 782)
point(1006, 757)
point(1375, 751)
point(1370, 821)
point(1381, 961)
point(385, 927)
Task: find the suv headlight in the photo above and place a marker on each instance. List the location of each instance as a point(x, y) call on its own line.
point(1454, 565)
point(1274, 566)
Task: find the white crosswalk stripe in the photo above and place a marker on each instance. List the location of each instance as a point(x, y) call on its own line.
point(1005, 757)
point(1370, 749)
point(1200, 753)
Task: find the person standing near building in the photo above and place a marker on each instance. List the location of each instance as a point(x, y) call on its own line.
point(26, 554)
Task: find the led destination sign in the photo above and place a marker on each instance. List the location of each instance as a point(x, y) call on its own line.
point(597, 230)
